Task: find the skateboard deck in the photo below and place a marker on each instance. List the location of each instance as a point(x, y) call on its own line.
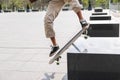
point(67, 45)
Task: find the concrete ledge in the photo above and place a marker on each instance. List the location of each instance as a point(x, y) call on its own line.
point(99, 13)
point(98, 9)
point(7, 11)
point(104, 30)
point(93, 66)
point(21, 10)
point(100, 17)
point(35, 10)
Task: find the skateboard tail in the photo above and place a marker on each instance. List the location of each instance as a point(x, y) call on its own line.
point(51, 61)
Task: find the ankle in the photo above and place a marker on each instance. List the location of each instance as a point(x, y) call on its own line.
point(82, 20)
point(55, 45)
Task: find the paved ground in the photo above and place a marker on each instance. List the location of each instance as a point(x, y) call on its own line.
point(24, 49)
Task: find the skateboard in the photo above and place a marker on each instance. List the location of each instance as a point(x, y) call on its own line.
point(57, 57)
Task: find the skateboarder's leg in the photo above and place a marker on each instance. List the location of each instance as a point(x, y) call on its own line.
point(77, 9)
point(83, 22)
point(54, 8)
point(53, 40)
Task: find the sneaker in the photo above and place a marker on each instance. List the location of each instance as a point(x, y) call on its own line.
point(53, 50)
point(83, 23)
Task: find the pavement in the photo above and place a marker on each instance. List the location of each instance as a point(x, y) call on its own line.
point(24, 49)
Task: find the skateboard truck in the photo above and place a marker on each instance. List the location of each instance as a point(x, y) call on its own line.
point(58, 60)
point(85, 34)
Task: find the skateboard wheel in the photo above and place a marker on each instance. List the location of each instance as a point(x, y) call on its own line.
point(85, 37)
point(57, 60)
point(57, 63)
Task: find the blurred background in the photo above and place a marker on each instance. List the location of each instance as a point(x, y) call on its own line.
point(40, 5)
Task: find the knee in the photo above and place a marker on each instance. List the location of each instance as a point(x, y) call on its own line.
point(48, 19)
point(76, 9)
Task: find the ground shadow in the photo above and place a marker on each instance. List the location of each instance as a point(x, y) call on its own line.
point(49, 76)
